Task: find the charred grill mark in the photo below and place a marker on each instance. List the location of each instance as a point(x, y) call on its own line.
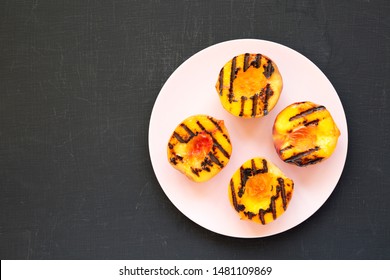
point(273, 207)
point(243, 99)
point(214, 159)
point(312, 123)
point(262, 213)
point(245, 173)
point(201, 126)
point(238, 207)
point(297, 159)
point(266, 93)
point(215, 142)
point(246, 61)
point(231, 96)
point(249, 214)
point(189, 131)
point(255, 99)
point(234, 198)
point(170, 146)
point(221, 81)
point(263, 170)
point(265, 166)
point(232, 77)
point(223, 151)
point(179, 138)
point(286, 148)
point(268, 69)
point(311, 161)
point(206, 164)
point(243, 180)
point(282, 192)
point(173, 160)
point(307, 112)
point(254, 168)
point(196, 171)
point(256, 63)
point(215, 123)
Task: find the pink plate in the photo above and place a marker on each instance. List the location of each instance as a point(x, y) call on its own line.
point(191, 90)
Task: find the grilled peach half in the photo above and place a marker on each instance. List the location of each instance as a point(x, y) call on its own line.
point(200, 147)
point(259, 191)
point(305, 133)
point(249, 85)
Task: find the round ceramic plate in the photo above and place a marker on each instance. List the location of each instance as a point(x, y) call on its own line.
point(191, 90)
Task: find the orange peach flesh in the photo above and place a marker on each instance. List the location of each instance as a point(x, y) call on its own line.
point(200, 145)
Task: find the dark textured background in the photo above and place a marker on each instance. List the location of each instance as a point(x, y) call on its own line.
point(78, 80)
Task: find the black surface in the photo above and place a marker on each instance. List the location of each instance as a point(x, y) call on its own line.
point(78, 80)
